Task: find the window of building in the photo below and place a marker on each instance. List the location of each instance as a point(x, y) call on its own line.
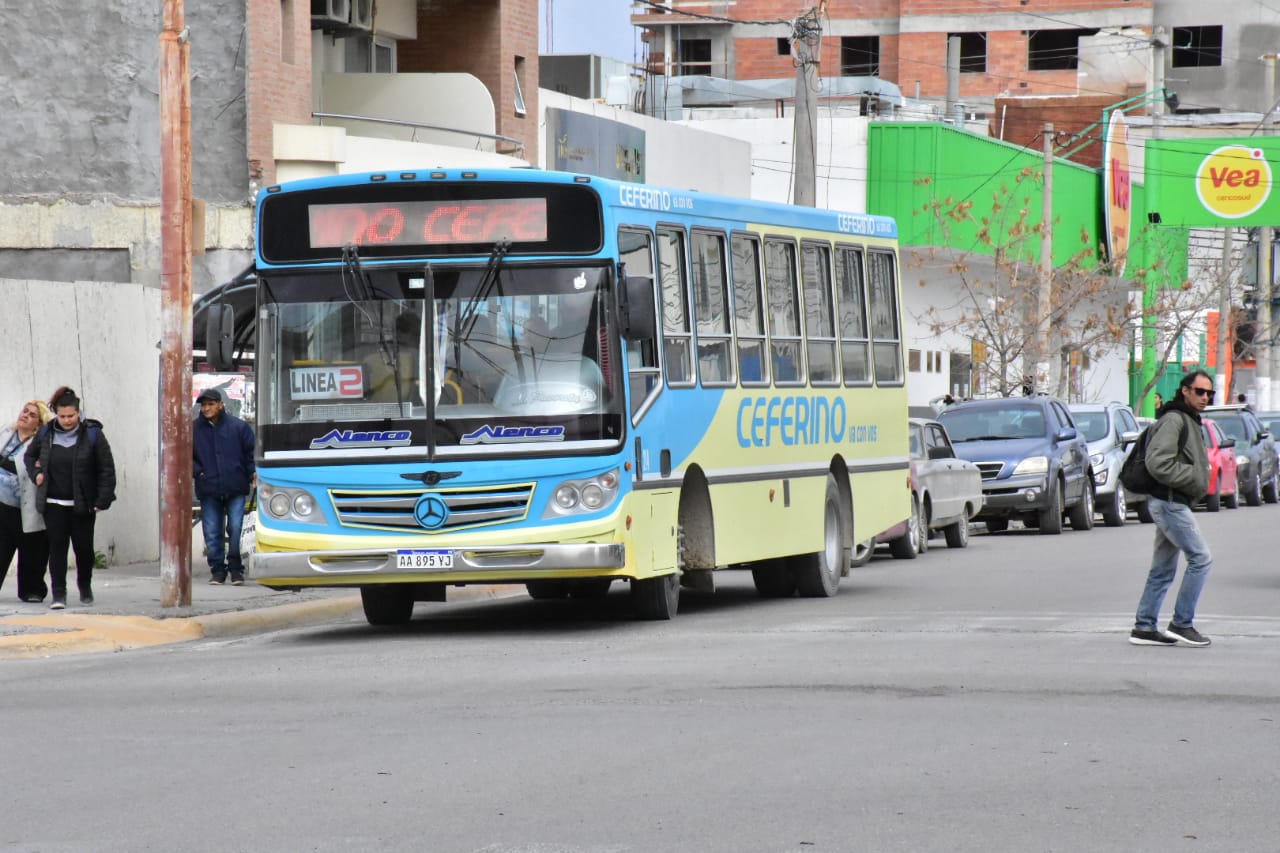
point(286, 32)
point(784, 46)
point(860, 56)
point(365, 53)
point(1197, 47)
point(519, 90)
point(913, 361)
point(695, 56)
point(1054, 50)
point(973, 51)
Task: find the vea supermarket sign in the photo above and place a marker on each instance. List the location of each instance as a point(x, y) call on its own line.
point(1213, 182)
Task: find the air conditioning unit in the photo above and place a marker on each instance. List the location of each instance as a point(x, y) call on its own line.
point(329, 13)
point(361, 14)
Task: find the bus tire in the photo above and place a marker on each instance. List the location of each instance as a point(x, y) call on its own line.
point(590, 589)
point(387, 604)
point(773, 579)
point(818, 575)
point(656, 599)
point(546, 590)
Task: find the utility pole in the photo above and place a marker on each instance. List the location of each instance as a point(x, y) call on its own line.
point(1269, 382)
point(806, 49)
point(1224, 319)
point(1041, 349)
point(953, 77)
point(175, 309)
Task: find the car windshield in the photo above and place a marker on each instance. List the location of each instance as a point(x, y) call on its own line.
point(1232, 425)
point(1094, 425)
point(994, 423)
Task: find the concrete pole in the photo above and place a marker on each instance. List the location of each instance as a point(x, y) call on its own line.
point(1266, 284)
point(1044, 296)
point(953, 74)
point(1223, 355)
point(806, 144)
point(175, 309)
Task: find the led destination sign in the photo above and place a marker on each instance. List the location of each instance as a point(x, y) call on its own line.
point(417, 223)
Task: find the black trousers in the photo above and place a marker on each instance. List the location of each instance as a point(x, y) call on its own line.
point(68, 527)
point(32, 550)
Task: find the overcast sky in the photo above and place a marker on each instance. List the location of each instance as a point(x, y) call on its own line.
point(588, 26)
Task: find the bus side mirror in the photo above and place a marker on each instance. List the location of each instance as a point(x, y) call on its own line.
point(219, 336)
point(639, 321)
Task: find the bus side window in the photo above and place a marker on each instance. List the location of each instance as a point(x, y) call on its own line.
point(748, 313)
point(784, 311)
point(886, 337)
point(855, 354)
point(644, 377)
point(677, 333)
point(819, 332)
point(711, 307)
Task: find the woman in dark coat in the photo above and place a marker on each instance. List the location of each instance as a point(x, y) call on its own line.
point(70, 462)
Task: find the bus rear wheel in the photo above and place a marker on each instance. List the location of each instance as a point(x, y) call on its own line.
point(656, 599)
point(818, 575)
point(773, 579)
point(388, 604)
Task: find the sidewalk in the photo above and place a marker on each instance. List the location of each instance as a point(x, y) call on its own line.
point(126, 612)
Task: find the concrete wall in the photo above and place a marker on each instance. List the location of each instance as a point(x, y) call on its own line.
point(101, 339)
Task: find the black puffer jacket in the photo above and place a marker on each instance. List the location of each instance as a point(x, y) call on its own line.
point(93, 470)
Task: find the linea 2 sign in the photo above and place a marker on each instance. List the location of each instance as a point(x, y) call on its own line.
point(1213, 182)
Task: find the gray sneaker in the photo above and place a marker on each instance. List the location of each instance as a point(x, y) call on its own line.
point(59, 603)
point(1185, 635)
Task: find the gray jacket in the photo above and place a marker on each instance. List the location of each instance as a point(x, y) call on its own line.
point(32, 520)
point(1186, 472)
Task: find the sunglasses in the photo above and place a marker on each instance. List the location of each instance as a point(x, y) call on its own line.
point(1202, 392)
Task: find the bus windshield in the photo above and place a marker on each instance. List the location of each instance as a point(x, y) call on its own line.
point(520, 355)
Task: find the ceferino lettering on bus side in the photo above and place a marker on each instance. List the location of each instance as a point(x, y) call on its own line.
point(793, 419)
point(651, 198)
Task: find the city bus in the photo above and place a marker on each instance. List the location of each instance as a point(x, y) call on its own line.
point(561, 381)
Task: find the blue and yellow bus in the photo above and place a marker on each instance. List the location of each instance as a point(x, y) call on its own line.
point(524, 377)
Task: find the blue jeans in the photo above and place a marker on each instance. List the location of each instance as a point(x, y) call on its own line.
point(222, 518)
point(1176, 530)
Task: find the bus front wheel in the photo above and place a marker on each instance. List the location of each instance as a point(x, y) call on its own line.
point(657, 598)
point(818, 575)
point(388, 604)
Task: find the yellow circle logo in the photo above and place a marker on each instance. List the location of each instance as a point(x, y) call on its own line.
point(1234, 181)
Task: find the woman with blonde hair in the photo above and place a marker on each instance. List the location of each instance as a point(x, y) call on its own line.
point(21, 524)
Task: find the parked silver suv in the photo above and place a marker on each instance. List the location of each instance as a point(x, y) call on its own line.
point(1111, 429)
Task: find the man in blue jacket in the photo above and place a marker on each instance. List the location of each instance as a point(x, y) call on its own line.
point(222, 464)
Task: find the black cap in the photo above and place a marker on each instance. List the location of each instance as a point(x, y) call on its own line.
point(212, 395)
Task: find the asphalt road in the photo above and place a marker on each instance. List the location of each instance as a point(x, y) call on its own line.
point(975, 700)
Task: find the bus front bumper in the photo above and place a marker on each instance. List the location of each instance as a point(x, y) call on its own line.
point(477, 564)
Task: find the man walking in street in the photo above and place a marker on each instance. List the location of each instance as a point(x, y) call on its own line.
point(222, 464)
point(1176, 459)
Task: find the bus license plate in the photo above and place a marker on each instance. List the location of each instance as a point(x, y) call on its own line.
point(424, 559)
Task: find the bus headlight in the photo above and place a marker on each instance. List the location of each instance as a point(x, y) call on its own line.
point(586, 495)
point(289, 504)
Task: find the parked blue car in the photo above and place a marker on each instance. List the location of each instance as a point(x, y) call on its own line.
point(1034, 462)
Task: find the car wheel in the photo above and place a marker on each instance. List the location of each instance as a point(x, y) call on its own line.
point(1051, 517)
point(1082, 513)
point(1213, 503)
point(1117, 508)
point(997, 525)
point(861, 553)
point(1253, 497)
point(957, 533)
point(1270, 493)
point(907, 546)
point(1233, 500)
point(925, 521)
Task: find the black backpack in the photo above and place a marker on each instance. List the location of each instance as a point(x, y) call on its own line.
point(1134, 475)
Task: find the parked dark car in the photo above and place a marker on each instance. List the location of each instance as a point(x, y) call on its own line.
point(1034, 462)
point(1256, 468)
point(1111, 429)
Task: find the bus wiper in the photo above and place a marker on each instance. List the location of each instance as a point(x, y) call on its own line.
point(468, 320)
point(388, 345)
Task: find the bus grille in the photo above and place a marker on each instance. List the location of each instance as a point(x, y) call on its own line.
point(393, 510)
point(990, 470)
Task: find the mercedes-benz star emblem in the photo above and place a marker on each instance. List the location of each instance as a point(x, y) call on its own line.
point(431, 511)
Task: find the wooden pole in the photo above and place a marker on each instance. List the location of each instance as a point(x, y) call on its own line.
point(175, 309)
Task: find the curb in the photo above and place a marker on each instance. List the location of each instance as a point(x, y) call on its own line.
point(82, 634)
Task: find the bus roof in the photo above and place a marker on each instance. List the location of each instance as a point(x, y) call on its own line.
point(625, 195)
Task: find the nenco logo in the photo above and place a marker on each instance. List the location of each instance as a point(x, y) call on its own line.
point(1234, 181)
point(502, 435)
point(325, 383)
point(351, 438)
